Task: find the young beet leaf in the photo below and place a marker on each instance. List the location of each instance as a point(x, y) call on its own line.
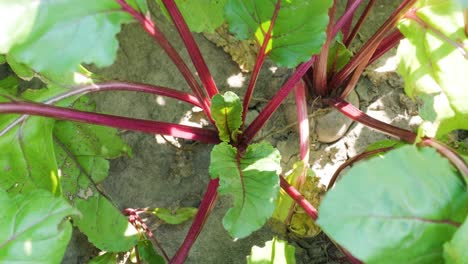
point(434, 63)
point(250, 176)
point(391, 198)
point(298, 33)
point(252, 179)
point(226, 111)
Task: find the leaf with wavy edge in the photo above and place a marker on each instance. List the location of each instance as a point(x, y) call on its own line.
point(299, 31)
point(252, 180)
point(227, 112)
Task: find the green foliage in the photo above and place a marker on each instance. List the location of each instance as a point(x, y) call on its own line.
point(455, 250)
point(251, 178)
point(27, 158)
point(82, 151)
point(33, 228)
point(227, 112)
point(107, 258)
point(338, 56)
point(20, 69)
point(147, 253)
point(200, 15)
point(275, 251)
point(2, 59)
point(299, 31)
point(103, 224)
point(402, 205)
point(433, 62)
point(54, 37)
point(175, 217)
point(34, 150)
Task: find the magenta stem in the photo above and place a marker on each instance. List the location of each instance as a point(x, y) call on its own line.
point(192, 47)
point(320, 66)
point(357, 115)
point(113, 86)
point(130, 86)
point(310, 210)
point(387, 44)
point(149, 26)
point(274, 103)
point(356, 74)
point(346, 19)
point(371, 44)
point(449, 153)
point(152, 127)
point(302, 117)
point(299, 199)
point(346, 28)
point(352, 160)
point(358, 25)
point(259, 62)
point(204, 211)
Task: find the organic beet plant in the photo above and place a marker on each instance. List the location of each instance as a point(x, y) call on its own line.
point(404, 201)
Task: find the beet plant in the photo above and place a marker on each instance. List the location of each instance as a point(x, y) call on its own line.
point(402, 201)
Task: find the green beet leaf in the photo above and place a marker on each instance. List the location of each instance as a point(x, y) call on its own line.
point(200, 15)
point(20, 69)
point(33, 228)
point(227, 112)
point(299, 31)
point(56, 36)
point(433, 62)
point(102, 223)
point(27, 159)
point(175, 217)
point(82, 151)
point(251, 178)
point(147, 253)
point(275, 251)
point(107, 258)
point(455, 250)
point(403, 205)
point(338, 55)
